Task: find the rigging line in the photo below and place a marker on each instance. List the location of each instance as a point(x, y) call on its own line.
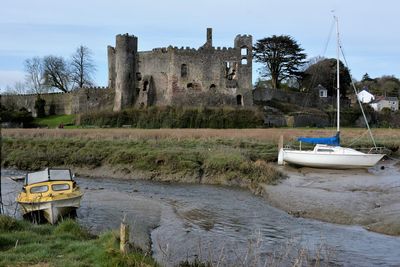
point(329, 38)
point(317, 59)
point(359, 103)
point(356, 139)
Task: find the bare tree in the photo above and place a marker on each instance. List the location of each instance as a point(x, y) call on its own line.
point(82, 67)
point(35, 75)
point(56, 73)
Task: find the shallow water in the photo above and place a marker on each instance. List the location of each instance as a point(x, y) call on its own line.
point(224, 225)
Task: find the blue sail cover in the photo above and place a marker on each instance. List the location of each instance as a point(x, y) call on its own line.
point(332, 141)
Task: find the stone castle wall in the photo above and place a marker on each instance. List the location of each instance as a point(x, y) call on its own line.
point(78, 101)
point(172, 75)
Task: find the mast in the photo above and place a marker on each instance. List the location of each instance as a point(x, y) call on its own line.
point(337, 75)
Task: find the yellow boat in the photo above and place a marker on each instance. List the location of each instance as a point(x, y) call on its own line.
point(52, 193)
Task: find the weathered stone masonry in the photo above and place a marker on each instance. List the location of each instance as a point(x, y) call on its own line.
point(78, 101)
point(167, 76)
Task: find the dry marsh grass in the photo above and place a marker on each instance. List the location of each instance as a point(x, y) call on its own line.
point(270, 135)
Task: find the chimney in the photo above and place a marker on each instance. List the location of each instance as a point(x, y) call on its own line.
point(209, 37)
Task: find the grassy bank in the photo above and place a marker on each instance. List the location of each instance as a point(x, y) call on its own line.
point(232, 157)
point(67, 244)
point(197, 160)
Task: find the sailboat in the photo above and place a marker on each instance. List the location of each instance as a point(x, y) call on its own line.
point(327, 152)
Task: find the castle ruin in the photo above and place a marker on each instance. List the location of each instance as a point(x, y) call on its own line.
point(180, 76)
point(207, 76)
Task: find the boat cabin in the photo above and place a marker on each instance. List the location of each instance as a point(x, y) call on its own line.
point(49, 182)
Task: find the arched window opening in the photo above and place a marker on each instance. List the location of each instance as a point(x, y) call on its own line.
point(184, 71)
point(243, 61)
point(213, 87)
point(145, 86)
point(138, 76)
point(243, 51)
point(239, 100)
point(230, 70)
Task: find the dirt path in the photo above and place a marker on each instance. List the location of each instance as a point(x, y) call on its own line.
point(370, 198)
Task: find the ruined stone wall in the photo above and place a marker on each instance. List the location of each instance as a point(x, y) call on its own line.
point(78, 101)
point(178, 76)
point(180, 72)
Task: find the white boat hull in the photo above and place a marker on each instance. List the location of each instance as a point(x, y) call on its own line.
point(339, 158)
point(52, 210)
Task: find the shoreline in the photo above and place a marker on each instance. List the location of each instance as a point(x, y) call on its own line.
point(368, 198)
point(242, 158)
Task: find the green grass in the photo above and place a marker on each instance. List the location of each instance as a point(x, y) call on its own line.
point(66, 244)
point(220, 161)
point(54, 121)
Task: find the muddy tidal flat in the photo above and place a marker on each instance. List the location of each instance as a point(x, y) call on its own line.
point(366, 197)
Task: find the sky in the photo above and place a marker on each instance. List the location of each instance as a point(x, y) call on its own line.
point(369, 29)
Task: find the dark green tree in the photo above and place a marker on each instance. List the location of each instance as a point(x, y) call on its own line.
point(282, 56)
point(385, 85)
point(366, 78)
point(324, 73)
point(40, 103)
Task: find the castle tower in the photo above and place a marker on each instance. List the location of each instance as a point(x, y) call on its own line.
point(208, 43)
point(244, 43)
point(125, 56)
point(111, 66)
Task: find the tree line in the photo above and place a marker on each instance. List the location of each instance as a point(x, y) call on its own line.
point(285, 65)
point(49, 73)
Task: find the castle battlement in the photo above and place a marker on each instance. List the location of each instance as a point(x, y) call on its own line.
point(175, 69)
point(96, 88)
point(190, 49)
point(244, 36)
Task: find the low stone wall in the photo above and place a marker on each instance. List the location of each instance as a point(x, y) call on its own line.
point(75, 102)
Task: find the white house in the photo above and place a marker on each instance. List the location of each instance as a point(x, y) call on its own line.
point(322, 91)
point(382, 102)
point(365, 97)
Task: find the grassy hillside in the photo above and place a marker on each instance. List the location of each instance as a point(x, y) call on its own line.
point(55, 121)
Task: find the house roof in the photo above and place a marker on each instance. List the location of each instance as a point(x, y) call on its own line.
point(384, 98)
point(364, 91)
point(392, 98)
point(320, 87)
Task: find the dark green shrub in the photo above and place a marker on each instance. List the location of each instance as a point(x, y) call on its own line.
point(21, 117)
point(176, 117)
point(52, 109)
point(70, 229)
point(9, 224)
point(40, 103)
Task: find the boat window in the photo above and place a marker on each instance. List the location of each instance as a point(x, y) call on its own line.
point(60, 187)
point(39, 189)
point(325, 150)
